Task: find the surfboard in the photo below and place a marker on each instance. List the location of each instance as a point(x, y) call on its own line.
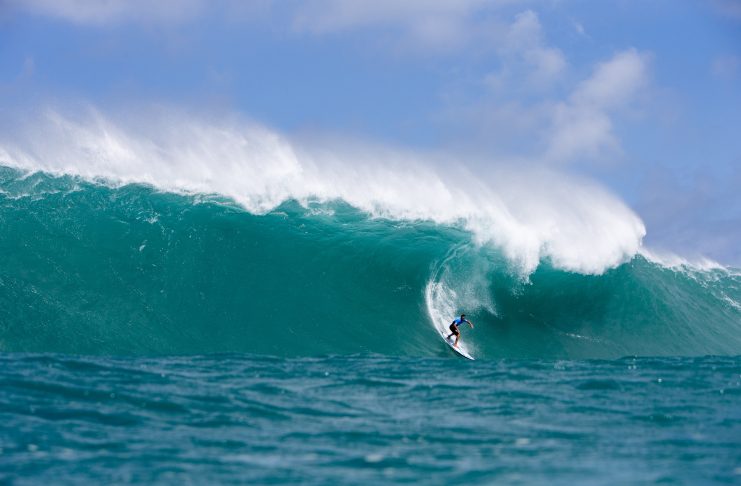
point(458, 349)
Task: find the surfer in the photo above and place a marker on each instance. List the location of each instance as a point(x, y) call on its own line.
point(454, 328)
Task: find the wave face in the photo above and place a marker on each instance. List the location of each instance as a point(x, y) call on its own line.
point(93, 269)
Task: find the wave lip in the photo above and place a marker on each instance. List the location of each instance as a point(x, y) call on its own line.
point(531, 215)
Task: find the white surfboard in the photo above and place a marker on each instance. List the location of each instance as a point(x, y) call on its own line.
point(458, 349)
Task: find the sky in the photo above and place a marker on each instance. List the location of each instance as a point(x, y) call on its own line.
point(643, 96)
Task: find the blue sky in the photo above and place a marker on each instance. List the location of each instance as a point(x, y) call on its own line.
point(643, 96)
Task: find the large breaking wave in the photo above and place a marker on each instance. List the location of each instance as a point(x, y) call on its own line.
point(188, 237)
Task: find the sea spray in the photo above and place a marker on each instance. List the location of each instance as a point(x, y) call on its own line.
point(93, 269)
point(528, 214)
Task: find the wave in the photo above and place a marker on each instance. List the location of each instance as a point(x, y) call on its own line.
point(529, 214)
point(95, 268)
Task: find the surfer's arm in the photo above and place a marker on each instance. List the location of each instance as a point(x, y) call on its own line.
point(470, 323)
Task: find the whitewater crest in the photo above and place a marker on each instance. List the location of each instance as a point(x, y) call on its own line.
point(94, 269)
point(530, 215)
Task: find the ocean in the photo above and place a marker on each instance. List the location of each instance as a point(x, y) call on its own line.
point(151, 335)
point(368, 419)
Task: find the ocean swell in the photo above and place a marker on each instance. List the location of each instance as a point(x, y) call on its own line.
point(528, 214)
point(96, 268)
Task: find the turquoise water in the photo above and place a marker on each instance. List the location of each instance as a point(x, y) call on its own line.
point(153, 337)
point(368, 420)
point(89, 269)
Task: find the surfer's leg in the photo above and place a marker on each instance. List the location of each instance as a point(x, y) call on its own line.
point(454, 331)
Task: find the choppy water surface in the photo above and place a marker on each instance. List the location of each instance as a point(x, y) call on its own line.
point(368, 419)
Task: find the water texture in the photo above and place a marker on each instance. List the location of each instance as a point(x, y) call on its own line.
point(368, 420)
point(159, 337)
point(92, 269)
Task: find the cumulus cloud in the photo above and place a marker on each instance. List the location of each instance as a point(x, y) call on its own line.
point(525, 41)
point(332, 15)
point(552, 123)
point(525, 55)
point(96, 12)
point(434, 23)
point(581, 125)
point(439, 24)
point(530, 69)
point(614, 82)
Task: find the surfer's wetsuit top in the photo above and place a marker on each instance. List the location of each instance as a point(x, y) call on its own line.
point(456, 323)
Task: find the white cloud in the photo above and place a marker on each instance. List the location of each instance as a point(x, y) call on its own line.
point(526, 36)
point(334, 15)
point(526, 31)
point(581, 125)
point(548, 126)
point(107, 12)
point(435, 24)
point(614, 82)
point(438, 24)
point(548, 63)
point(100, 12)
point(525, 55)
point(578, 131)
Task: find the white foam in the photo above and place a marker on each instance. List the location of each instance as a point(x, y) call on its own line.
point(441, 309)
point(671, 260)
point(529, 214)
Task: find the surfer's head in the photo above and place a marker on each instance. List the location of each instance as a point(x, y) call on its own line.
point(463, 315)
